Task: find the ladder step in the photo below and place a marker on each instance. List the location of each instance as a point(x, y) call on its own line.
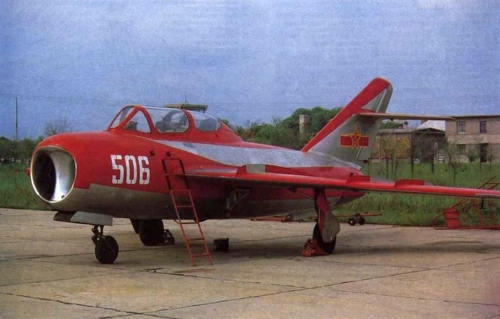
point(181, 192)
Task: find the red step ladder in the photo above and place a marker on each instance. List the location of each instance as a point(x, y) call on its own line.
point(469, 208)
point(183, 200)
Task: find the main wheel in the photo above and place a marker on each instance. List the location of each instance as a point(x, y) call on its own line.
point(106, 250)
point(326, 246)
point(361, 220)
point(135, 224)
point(151, 232)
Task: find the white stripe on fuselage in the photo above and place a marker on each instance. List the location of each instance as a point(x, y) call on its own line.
point(239, 156)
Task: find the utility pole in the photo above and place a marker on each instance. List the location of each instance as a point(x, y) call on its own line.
point(15, 138)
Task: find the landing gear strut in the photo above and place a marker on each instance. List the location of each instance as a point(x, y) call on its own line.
point(326, 229)
point(106, 247)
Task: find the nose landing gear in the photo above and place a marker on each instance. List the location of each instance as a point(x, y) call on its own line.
point(106, 247)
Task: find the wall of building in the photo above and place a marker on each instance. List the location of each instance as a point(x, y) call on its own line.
point(471, 139)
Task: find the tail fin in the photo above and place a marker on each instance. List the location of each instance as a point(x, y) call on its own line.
point(349, 135)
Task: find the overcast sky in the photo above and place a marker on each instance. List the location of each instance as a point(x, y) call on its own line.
point(248, 60)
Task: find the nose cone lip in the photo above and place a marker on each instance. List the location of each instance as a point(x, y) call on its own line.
point(53, 172)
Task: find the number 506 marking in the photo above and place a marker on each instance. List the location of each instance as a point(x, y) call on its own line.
point(130, 169)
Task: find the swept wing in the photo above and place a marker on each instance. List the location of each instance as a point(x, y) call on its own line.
point(282, 177)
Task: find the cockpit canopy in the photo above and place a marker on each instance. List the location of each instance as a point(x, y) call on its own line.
point(163, 120)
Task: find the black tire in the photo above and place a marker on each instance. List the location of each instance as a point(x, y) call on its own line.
point(352, 221)
point(106, 250)
point(361, 220)
point(151, 232)
point(135, 224)
point(328, 247)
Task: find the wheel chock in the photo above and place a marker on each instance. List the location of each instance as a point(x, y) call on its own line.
point(168, 238)
point(311, 248)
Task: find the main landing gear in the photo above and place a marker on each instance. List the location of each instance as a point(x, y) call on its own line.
point(326, 229)
point(106, 247)
point(328, 247)
point(152, 232)
point(317, 246)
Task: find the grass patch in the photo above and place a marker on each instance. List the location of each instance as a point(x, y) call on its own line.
point(416, 210)
point(16, 190)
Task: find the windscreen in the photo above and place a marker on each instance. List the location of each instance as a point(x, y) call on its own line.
point(205, 123)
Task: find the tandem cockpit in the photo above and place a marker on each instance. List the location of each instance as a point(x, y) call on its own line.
point(164, 122)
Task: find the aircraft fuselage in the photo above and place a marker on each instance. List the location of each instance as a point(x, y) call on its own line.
point(122, 175)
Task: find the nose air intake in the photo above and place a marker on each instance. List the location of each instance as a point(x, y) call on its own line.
point(52, 174)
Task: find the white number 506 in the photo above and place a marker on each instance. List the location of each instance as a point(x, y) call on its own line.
point(130, 169)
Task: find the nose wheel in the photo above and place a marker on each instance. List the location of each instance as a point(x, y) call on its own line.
point(106, 247)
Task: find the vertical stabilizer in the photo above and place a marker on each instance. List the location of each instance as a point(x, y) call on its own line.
point(350, 136)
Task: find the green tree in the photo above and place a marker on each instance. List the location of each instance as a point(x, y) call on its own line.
point(17, 150)
point(25, 147)
point(6, 148)
point(318, 118)
point(285, 132)
point(225, 121)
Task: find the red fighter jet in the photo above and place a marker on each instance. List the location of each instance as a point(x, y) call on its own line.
point(152, 164)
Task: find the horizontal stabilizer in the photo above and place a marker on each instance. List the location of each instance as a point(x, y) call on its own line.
point(389, 116)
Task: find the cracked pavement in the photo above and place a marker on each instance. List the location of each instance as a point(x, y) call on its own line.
point(48, 269)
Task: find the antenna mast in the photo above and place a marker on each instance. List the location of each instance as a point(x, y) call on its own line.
point(15, 137)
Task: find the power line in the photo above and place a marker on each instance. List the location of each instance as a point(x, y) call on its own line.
point(408, 102)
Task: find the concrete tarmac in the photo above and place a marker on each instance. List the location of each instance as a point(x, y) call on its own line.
point(48, 270)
